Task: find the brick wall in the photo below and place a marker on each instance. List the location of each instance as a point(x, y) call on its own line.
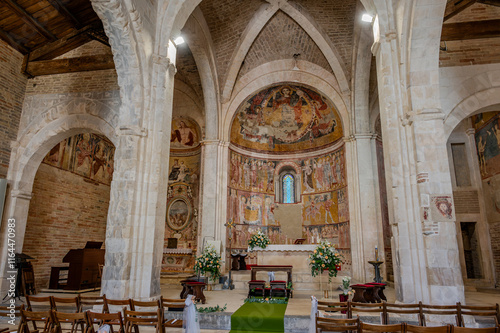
point(12, 87)
point(65, 212)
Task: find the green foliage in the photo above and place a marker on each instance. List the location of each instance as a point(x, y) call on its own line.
point(259, 240)
point(208, 262)
point(210, 309)
point(267, 300)
point(325, 257)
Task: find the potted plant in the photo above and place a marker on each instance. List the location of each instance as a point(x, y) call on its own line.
point(325, 258)
point(346, 289)
point(258, 240)
point(208, 262)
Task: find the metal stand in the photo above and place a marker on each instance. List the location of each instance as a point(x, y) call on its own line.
point(376, 265)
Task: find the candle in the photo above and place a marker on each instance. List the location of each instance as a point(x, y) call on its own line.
point(376, 253)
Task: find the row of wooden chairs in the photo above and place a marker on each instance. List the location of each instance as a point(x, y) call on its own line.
point(355, 325)
point(420, 310)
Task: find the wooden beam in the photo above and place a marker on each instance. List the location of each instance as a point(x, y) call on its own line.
point(70, 65)
point(470, 30)
point(12, 42)
point(30, 20)
point(495, 3)
point(59, 47)
point(455, 7)
point(59, 6)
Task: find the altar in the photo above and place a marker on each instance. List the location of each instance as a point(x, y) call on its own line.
point(286, 254)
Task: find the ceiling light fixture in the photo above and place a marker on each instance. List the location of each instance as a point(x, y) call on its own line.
point(179, 40)
point(367, 18)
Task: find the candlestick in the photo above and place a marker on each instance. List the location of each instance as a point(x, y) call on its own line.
point(376, 253)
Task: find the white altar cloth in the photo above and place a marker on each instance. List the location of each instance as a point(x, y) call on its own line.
point(288, 248)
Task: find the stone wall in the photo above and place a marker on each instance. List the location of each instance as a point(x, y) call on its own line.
point(12, 88)
point(65, 212)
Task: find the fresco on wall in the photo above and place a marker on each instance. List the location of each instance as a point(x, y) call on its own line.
point(185, 133)
point(286, 117)
point(184, 169)
point(88, 155)
point(252, 174)
point(320, 209)
point(323, 173)
point(487, 127)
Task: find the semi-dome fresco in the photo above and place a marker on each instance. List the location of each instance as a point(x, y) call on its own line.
point(286, 117)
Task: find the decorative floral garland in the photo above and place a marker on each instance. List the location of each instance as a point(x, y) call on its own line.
point(325, 257)
point(258, 240)
point(210, 309)
point(208, 262)
point(267, 300)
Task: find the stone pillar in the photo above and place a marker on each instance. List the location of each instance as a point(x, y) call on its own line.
point(366, 226)
point(426, 263)
point(210, 182)
point(222, 181)
point(136, 217)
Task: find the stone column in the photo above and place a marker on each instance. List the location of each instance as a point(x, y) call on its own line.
point(426, 261)
point(222, 181)
point(136, 227)
point(210, 181)
point(366, 227)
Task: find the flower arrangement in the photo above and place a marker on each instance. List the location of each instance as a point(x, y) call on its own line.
point(258, 240)
point(325, 257)
point(346, 285)
point(208, 262)
point(266, 300)
point(210, 309)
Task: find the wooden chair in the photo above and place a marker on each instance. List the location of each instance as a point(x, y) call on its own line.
point(99, 319)
point(365, 327)
point(440, 310)
point(480, 311)
point(405, 309)
point(122, 303)
point(457, 329)
point(28, 281)
point(38, 303)
point(66, 304)
point(171, 305)
point(256, 288)
point(336, 325)
point(141, 305)
point(75, 320)
point(428, 329)
point(5, 312)
point(367, 307)
point(327, 306)
point(140, 318)
point(43, 317)
point(89, 302)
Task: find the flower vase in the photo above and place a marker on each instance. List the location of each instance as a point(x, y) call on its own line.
point(343, 298)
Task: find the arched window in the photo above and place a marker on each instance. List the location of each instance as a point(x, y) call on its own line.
point(288, 188)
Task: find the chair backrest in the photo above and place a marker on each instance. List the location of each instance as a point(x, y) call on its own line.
point(91, 301)
point(39, 302)
point(66, 317)
point(66, 304)
point(141, 318)
point(97, 318)
point(5, 311)
point(428, 329)
point(365, 327)
point(336, 325)
point(122, 303)
point(143, 305)
point(356, 307)
point(440, 310)
point(478, 310)
point(457, 329)
point(44, 317)
point(328, 306)
point(405, 309)
point(169, 304)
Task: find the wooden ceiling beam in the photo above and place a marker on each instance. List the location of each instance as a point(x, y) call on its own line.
point(495, 3)
point(70, 65)
point(30, 20)
point(470, 30)
point(59, 6)
point(59, 47)
point(12, 42)
point(455, 7)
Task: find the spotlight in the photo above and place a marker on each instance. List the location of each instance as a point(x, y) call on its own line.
point(367, 18)
point(179, 40)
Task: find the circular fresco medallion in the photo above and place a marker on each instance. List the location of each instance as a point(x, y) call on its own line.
point(179, 213)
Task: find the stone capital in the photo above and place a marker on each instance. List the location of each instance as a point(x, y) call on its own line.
point(470, 131)
point(425, 115)
point(210, 142)
point(23, 195)
point(132, 130)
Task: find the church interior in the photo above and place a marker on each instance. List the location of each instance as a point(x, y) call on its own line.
point(136, 135)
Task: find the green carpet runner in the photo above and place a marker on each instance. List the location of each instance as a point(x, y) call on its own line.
point(259, 318)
